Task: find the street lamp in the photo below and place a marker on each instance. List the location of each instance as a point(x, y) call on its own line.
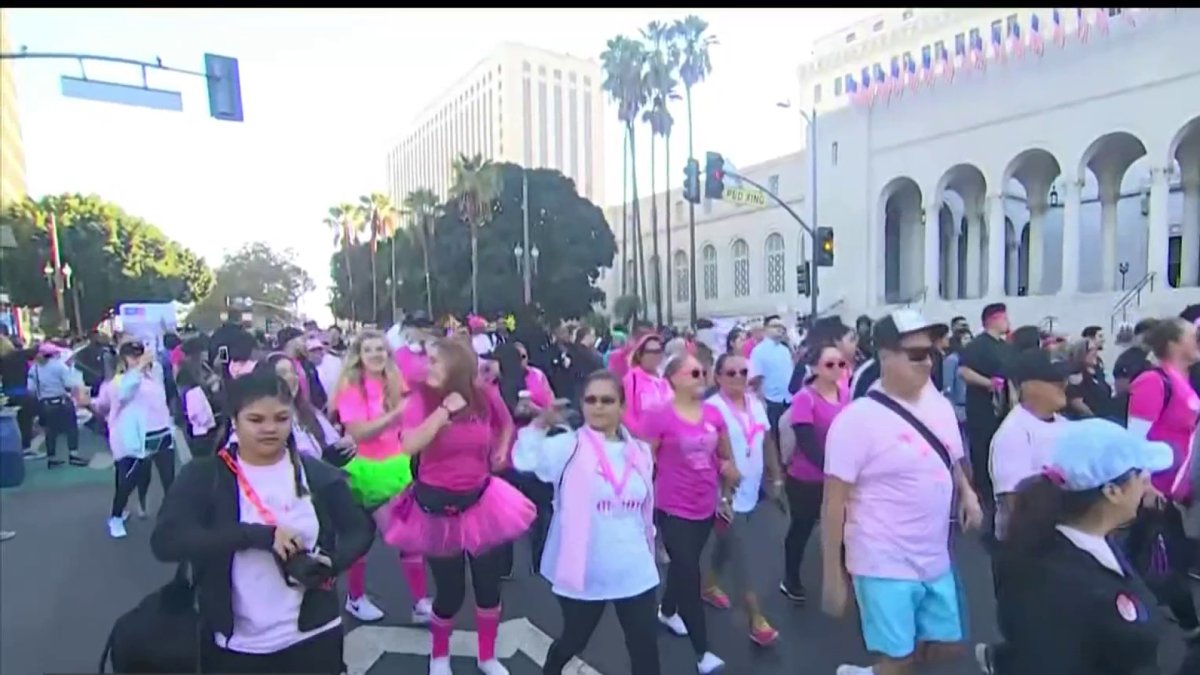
point(811, 119)
point(527, 269)
point(1054, 196)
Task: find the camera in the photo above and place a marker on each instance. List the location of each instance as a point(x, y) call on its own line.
point(305, 569)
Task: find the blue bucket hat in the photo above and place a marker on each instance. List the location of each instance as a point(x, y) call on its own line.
point(1094, 452)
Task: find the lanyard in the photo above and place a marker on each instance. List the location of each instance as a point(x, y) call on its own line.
point(750, 429)
point(606, 470)
point(247, 489)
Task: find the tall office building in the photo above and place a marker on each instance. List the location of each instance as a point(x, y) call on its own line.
point(12, 153)
point(522, 105)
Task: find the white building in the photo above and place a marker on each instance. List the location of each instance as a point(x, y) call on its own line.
point(1066, 184)
point(522, 105)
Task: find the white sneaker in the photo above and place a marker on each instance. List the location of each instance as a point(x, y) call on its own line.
point(709, 663)
point(854, 670)
point(492, 667)
point(363, 609)
point(440, 666)
point(423, 611)
point(983, 658)
point(673, 623)
point(116, 528)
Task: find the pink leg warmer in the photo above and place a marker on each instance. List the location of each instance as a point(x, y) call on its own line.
point(414, 573)
point(440, 629)
point(487, 622)
point(356, 579)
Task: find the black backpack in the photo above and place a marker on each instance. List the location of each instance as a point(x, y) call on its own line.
point(162, 634)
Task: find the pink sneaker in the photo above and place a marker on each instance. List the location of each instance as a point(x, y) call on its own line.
point(763, 635)
point(716, 597)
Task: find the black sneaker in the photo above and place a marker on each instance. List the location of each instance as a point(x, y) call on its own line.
point(54, 463)
point(75, 459)
point(793, 593)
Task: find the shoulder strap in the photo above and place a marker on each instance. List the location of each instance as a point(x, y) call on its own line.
point(1166, 380)
point(904, 414)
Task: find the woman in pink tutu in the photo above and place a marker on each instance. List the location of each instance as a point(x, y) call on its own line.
point(454, 513)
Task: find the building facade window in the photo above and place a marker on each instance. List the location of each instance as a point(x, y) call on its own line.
point(773, 184)
point(741, 269)
point(709, 256)
point(776, 262)
point(681, 277)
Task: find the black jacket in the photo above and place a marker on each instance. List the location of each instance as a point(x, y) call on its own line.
point(199, 522)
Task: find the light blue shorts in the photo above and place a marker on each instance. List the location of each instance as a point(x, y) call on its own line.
point(898, 614)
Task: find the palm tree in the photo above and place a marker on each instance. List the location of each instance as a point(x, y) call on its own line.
point(343, 220)
point(695, 65)
point(624, 63)
point(379, 217)
point(660, 81)
point(424, 208)
point(476, 185)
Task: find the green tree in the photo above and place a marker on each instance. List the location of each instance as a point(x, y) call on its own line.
point(272, 279)
point(343, 221)
point(378, 216)
point(693, 42)
point(660, 84)
point(115, 257)
point(424, 208)
point(624, 63)
point(475, 186)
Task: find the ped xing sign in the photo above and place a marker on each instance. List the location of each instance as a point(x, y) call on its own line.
point(745, 196)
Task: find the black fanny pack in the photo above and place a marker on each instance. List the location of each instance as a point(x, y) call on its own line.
point(440, 502)
point(160, 440)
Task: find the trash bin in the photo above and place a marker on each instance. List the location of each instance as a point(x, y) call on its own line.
point(12, 462)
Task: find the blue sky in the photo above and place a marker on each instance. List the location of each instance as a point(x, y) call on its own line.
point(324, 92)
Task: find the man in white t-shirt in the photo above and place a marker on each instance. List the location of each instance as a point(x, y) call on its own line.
point(1022, 446)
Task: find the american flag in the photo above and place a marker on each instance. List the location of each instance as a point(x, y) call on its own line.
point(913, 81)
point(947, 63)
point(998, 44)
point(1083, 27)
point(927, 68)
point(852, 89)
point(1016, 43)
point(862, 90)
point(977, 57)
point(1060, 31)
point(1035, 36)
point(1102, 21)
point(895, 81)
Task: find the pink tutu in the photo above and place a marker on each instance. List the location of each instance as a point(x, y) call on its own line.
point(501, 515)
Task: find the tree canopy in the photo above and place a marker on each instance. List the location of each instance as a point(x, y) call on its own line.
point(114, 257)
point(258, 272)
point(573, 240)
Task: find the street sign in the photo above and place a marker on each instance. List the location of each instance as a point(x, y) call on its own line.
point(745, 196)
point(125, 94)
point(365, 645)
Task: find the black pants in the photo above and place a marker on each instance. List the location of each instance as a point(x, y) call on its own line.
point(134, 473)
point(542, 496)
point(450, 580)
point(979, 436)
point(804, 504)
point(1174, 588)
point(580, 617)
point(775, 412)
point(58, 419)
point(684, 540)
point(318, 655)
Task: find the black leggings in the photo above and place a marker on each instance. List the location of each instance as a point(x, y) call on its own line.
point(450, 580)
point(320, 654)
point(542, 496)
point(580, 617)
point(134, 473)
point(58, 419)
point(804, 504)
point(684, 540)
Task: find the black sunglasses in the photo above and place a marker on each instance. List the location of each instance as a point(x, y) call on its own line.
point(697, 373)
point(592, 399)
point(742, 372)
point(918, 354)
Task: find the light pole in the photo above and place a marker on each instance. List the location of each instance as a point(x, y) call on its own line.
point(524, 250)
point(811, 119)
point(527, 260)
point(59, 282)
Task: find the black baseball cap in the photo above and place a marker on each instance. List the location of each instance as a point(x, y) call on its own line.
point(891, 329)
point(1036, 365)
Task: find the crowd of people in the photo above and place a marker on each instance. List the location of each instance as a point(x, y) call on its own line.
point(621, 452)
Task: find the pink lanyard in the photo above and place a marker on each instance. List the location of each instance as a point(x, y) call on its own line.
point(746, 423)
point(606, 470)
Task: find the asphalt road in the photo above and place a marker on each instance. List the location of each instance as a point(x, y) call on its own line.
point(63, 581)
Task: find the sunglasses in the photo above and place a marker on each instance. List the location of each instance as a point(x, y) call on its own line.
point(834, 364)
point(592, 399)
point(697, 373)
point(742, 372)
point(918, 354)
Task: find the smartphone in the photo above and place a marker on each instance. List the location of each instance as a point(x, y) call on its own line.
point(223, 353)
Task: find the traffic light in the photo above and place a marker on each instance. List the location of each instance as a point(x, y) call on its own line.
point(825, 247)
point(714, 176)
point(224, 87)
point(691, 181)
point(802, 287)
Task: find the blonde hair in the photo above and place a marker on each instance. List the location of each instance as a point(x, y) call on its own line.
point(394, 386)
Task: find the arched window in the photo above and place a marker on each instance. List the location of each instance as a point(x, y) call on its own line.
point(709, 256)
point(741, 268)
point(776, 261)
point(681, 277)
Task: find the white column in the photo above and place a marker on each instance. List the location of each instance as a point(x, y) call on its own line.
point(1013, 273)
point(932, 244)
point(1110, 194)
point(975, 231)
point(1190, 249)
point(1070, 236)
point(1158, 241)
point(997, 242)
point(950, 253)
point(1037, 243)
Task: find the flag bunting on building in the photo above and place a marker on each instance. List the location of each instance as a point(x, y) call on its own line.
point(1083, 27)
point(998, 51)
point(1060, 31)
point(977, 56)
point(1016, 45)
point(927, 67)
point(1036, 44)
point(1102, 20)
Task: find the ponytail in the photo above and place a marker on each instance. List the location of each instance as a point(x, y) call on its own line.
point(297, 471)
point(1041, 505)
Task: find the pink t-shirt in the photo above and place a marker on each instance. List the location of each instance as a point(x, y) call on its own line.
point(618, 361)
point(363, 404)
point(688, 466)
point(459, 457)
point(538, 385)
point(898, 511)
point(414, 366)
point(644, 394)
point(1174, 425)
point(809, 407)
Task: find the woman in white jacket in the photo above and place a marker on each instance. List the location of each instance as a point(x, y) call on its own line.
point(600, 547)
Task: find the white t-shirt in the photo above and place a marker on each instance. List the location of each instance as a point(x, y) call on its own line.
point(1022, 447)
point(747, 455)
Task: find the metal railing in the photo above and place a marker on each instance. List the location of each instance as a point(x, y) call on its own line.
point(1046, 325)
point(1133, 295)
point(919, 296)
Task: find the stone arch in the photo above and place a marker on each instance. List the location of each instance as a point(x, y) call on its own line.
point(1112, 229)
point(1027, 189)
point(1183, 257)
point(961, 254)
point(899, 218)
